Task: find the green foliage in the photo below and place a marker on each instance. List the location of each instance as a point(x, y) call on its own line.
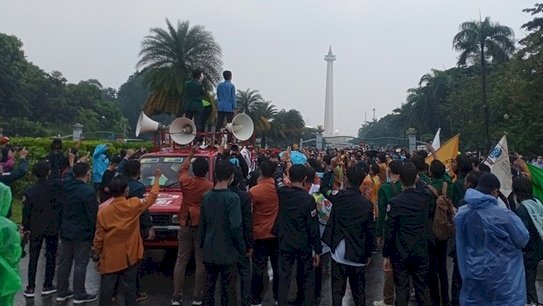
point(454, 99)
point(168, 57)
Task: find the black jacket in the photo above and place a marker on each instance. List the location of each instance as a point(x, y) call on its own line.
point(296, 226)
point(14, 175)
point(246, 216)
point(137, 189)
point(41, 208)
point(351, 219)
point(220, 228)
point(407, 227)
point(79, 209)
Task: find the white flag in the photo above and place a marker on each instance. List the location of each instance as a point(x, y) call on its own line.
point(436, 143)
point(499, 164)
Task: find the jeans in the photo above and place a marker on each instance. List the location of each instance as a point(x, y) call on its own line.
point(227, 274)
point(305, 278)
point(416, 268)
point(264, 249)
point(438, 276)
point(357, 281)
point(244, 270)
point(127, 285)
point(76, 253)
point(220, 119)
point(188, 242)
point(51, 245)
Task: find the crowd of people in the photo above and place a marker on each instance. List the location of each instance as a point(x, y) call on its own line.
point(304, 212)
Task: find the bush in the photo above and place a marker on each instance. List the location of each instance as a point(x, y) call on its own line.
point(38, 148)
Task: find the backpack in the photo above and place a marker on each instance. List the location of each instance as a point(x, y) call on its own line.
point(443, 224)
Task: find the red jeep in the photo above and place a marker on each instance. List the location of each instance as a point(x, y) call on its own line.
point(164, 213)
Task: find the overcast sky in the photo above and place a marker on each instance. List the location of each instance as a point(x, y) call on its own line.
point(275, 46)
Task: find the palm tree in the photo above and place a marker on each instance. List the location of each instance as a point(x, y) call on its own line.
point(287, 126)
point(167, 59)
point(246, 98)
point(479, 41)
point(262, 112)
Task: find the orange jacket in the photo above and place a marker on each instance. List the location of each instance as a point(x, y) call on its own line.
point(193, 188)
point(117, 240)
point(265, 208)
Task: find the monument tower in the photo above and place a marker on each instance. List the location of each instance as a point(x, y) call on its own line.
point(329, 100)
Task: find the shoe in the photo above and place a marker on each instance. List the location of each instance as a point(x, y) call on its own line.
point(86, 299)
point(114, 300)
point(29, 292)
point(177, 300)
point(256, 302)
point(47, 290)
point(69, 295)
point(197, 301)
point(141, 296)
point(381, 303)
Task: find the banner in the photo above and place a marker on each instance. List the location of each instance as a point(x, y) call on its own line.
point(537, 181)
point(436, 143)
point(499, 164)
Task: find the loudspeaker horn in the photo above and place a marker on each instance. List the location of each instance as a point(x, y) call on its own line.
point(146, 124)
point(182, 130)
point(242, 127)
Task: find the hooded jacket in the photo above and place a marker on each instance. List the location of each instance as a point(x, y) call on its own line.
point(10, 251)
point(489, 243)
point(100, 163)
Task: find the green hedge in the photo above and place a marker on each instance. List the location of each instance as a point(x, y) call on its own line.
point(38, 148)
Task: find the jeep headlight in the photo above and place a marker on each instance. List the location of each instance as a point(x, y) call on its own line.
point(175, 219)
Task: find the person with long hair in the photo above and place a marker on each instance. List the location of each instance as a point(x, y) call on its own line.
point(530, 211)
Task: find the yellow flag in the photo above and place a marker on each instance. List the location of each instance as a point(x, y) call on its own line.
point(447, 152)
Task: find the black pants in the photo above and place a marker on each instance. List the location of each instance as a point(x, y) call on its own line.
point(220, 119)
point(76, 253)
point(438, 277)
point(264, 249)
point(227, 274)
point(244, 270)
point(305, 278)
point(340, 273)
point(456, 284)
point(531, 291)
point(416, 268)
point(127, 285)
point(51, 245)
point(325, 259)
point(204, 116)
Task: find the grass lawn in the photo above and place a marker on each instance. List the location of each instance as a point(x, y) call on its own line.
point(17, 210)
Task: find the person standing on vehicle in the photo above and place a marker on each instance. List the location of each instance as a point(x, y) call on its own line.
point(349, 234)
point(193, 96)
point(118, 245)
point(193, 187)
point(226, 96)
point(405, 250)
point(297, 229)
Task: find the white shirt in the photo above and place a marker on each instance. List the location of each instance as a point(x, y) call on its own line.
point(339, 256)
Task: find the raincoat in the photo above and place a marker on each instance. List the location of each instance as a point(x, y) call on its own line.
point(489, 243)
point(10, 251)
point(99, 163)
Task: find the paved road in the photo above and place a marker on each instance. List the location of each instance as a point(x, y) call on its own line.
point(157, 282)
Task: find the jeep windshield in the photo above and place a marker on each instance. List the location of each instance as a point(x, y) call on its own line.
point(169, 166)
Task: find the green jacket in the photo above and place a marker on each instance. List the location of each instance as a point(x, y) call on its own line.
point(384, 195)
point(194, 94)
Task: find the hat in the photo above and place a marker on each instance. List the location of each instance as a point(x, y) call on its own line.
point(487, 183)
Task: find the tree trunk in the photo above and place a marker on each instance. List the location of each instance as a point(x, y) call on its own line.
point(485, 103)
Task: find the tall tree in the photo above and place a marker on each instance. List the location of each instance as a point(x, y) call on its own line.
point(246, 98)
point(262, 112)
point(168, 57)
point(479, 41)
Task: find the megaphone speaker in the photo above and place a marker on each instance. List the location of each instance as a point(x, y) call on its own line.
point(242, 127)
point(146, 124)
point(182, 130)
